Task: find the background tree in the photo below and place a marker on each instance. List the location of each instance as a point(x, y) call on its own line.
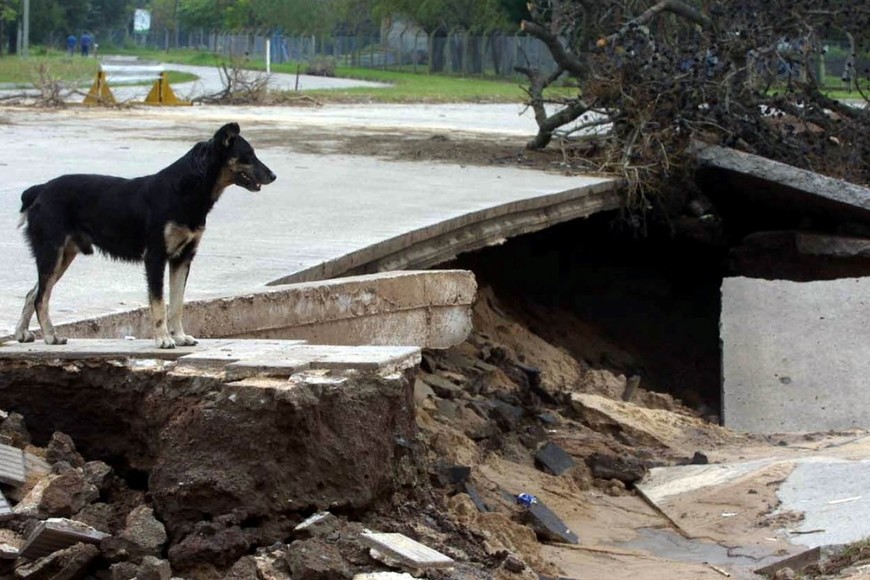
point(663, 73)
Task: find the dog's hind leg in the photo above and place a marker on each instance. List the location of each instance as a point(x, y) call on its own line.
point(50, 271)
point(22, 332)
point(178, 272)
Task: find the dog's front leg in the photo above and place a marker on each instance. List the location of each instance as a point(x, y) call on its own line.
point(178, 272)
point(155, 266)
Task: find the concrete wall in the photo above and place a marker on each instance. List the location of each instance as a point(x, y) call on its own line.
point(795, 356)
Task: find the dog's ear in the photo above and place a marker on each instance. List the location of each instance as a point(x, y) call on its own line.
point(226, 134)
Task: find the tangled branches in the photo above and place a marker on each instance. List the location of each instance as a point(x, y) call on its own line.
point(742, 73)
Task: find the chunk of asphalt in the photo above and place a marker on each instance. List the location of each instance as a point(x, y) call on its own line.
point(475, 496)
point(553, 459)
point(547, 525)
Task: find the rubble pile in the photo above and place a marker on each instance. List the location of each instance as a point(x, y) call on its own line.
point(432, 473)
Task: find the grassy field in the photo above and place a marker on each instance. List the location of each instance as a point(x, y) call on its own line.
point(405, 86)
point(72, 70)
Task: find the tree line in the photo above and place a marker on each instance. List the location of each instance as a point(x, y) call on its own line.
point(52, 20)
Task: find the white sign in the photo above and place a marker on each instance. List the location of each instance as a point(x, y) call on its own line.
point(141, 20)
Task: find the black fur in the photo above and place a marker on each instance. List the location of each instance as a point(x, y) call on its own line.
point(157, 219)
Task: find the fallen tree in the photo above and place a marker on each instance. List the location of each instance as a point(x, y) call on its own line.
point(658, 75)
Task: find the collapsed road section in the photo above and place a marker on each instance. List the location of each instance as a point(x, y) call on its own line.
point(230, 443)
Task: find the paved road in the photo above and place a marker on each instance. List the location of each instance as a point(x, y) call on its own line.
point(210, 82)
point(319, 209)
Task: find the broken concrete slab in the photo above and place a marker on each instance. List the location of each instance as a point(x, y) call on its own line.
point(423, 308)
point(85, 348)
point(240, 358)
point(554, 459)
point(778, 185)
point(295, 358)
point(788, 503)
point(12, 466)
point(795, 356)
point(405, 550)
point(56, 534)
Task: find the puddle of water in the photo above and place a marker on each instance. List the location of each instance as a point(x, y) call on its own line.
point(666, 543)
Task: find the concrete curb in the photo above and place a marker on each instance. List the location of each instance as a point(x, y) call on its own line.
point(421, 308)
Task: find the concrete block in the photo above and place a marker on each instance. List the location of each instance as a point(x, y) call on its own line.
point(553, 459)
point(795, 356)
point(56, 534)
point(12, 466)
point(405, 550)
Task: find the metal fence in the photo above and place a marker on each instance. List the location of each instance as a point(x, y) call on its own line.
point(456, 52)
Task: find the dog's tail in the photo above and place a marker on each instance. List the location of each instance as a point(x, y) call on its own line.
point(27, 198)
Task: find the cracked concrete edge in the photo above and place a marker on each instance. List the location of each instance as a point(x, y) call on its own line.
point(420, 308)
point(823, 187)
point(444, 240)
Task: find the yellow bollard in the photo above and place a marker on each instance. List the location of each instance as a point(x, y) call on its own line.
point(161, 93)
point(100, 93)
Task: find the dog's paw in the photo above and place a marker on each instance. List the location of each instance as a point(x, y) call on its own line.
point(164, 342)
point(25, 336)
point(54, 339)
point(183, 339)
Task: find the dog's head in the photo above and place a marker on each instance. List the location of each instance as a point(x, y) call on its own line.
point(240, 160)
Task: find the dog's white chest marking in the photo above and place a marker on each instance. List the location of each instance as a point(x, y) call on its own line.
point(178, 238)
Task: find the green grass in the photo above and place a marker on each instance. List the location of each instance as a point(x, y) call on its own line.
point(24, 71)
point(59, 66)
point(405, 86)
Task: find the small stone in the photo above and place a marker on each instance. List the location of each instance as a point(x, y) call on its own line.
point(98, 474)
point(513, 564)
point(13, 431)
point(67, 564)
point(700, 459)
point(153, 568)
point(62, 448)
point(144, 530)
point(315, 559)
point(785, 574)
point(66, 494)
point(123, 570)
point(444, 388)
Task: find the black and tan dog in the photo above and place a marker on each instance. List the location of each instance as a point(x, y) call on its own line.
point(157, 219)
